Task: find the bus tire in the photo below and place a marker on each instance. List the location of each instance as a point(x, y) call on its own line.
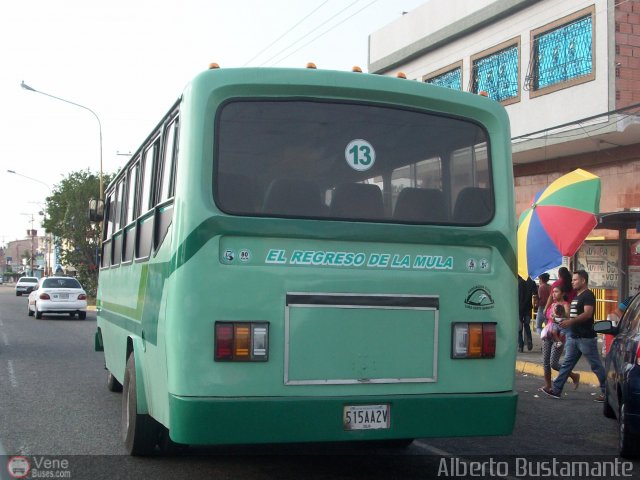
point(112, 383)
point(139, 431)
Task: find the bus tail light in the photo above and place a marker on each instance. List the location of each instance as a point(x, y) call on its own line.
point(473, 340)
point(241, 342)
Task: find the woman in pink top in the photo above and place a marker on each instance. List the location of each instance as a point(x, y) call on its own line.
point(553, 338)
point(564, 282)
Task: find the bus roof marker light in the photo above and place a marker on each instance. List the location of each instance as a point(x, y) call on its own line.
point(356, 69)
point(213, 66)
point(311, 65)
point(401, 75)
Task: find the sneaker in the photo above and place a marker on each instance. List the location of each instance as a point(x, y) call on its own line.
point(549, 392)
point(599, 398)
point(529, 346)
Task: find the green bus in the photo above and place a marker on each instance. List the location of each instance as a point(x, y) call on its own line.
point(297, 255)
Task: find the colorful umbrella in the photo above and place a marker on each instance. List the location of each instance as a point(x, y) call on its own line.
point(559, 219)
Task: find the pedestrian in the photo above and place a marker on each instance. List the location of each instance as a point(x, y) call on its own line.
point(553, 339)
point(581, 338)
point(526, 291)
point(564, 282)
point(544, 290)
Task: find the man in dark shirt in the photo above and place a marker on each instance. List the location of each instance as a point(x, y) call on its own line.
point(581, 338)
point(526, 291)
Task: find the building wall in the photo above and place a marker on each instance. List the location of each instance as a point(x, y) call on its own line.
point(627, 50)
point(528, 114)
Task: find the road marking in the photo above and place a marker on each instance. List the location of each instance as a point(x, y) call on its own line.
point(5, 339)
point(436, 451)
point(12, 375)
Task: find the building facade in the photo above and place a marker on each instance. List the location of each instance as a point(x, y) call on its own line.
point(568, 74)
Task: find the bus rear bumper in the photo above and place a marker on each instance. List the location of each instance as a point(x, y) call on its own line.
point(215, 421)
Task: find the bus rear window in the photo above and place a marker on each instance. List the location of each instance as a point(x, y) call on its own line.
point(355, 162)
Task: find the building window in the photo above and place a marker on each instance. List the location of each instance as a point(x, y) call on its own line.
point(449, 77)
point(496, 71)
point(563, 53)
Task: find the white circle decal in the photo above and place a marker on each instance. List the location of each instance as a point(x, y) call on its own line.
point(360, 155)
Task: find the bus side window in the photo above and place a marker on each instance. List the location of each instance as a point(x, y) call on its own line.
point(108, 231)
point(130, 212)
point(167, 173)
point(116, 245)
point(167, 165)
point(144, 234)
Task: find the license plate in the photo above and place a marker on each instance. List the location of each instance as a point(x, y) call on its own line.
point(61, 296)
point(366, 417)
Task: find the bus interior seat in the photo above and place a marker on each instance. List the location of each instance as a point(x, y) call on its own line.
point(237, 193)
point(420, 205)
point(473, 205)
point(357, 201)
point(288, 196)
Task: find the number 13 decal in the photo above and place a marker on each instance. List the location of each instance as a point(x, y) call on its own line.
point(360, 155)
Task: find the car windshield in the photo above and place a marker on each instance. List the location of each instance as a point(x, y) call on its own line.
point(60, 283)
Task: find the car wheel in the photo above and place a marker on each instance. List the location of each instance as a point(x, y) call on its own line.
point(112, 383)
point(18, 294)
point(29, 312)
point(82, 315)
point(139, 431)
point(72, 315)
point(37, 312)
point(628, 443)
point(607, 409)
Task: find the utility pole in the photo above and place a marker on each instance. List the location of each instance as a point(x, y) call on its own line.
point(31, 233)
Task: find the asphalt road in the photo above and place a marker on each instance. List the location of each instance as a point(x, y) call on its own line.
point(54, 405)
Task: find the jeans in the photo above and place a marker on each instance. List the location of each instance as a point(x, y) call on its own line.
point(540, 319)
point(525, 323)
point(573, 350)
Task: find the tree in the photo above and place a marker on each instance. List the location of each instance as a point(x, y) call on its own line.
point(76, 238)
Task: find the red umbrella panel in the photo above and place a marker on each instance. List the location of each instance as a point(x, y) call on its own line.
point(560, 218)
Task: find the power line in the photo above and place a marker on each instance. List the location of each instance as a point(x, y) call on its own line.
point(285, 33)
point(327, 31)
point(309, 33)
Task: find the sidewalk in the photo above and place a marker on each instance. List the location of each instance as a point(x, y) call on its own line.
point(530, 362)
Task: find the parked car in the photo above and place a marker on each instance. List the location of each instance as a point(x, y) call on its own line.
point(58, 295)
point(25, 285)
point(622, 364)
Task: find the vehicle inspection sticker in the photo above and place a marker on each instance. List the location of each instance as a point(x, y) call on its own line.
point(360, 155)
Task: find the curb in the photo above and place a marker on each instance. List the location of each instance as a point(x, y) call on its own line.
point(537, 370)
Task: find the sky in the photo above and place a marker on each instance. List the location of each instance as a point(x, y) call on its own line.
point(128, 61)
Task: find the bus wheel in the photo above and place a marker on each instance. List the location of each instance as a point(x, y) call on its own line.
point(112, 383)
point(139, 431)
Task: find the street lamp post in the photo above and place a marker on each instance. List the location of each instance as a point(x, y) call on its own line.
point(31, 89)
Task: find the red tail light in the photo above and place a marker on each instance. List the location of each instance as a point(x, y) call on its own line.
point(488, 340)
point(82, 296)
point(473, 340)
point(224, 341)
point(44, 296)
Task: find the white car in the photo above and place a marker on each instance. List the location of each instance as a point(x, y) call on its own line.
point(25, 285)
point(58, 295)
